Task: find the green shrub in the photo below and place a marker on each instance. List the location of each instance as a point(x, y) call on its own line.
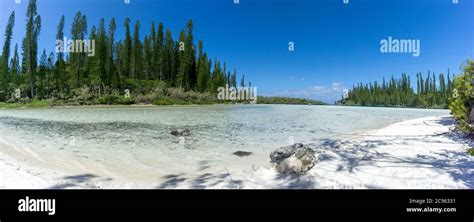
point(177, 93)
point(471, 151)
point(148, 98)
point(108, 100)
point(27, 103)
point(39, 103)
point(144, 99)
point(125, 101)
point(142, 86)
point(463, 98)
point(114, 100)
point(82, 94)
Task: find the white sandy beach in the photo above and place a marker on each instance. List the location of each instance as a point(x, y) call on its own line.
point(414, 154)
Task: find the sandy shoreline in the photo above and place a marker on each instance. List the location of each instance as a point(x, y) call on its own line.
point(414, 154)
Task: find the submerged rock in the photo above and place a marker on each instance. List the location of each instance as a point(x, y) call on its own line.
point(177, 133)
point(295, 158)
point(242, 153)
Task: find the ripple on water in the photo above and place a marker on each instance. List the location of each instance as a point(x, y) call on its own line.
point(141, 136)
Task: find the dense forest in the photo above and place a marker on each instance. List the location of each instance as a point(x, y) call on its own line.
point(456, 93)
point(130, 70)
point(430, 92)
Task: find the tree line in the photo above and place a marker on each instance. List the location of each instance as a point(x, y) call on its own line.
point(430, 92)
point(456, 93)
point(131, 63)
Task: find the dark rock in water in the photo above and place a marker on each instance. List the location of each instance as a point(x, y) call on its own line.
point(242, 153)
point(177, 133)
point(295, 158)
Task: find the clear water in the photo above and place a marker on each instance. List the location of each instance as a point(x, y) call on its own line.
point(135, 142)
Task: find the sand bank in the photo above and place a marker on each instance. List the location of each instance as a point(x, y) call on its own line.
point(414, 154)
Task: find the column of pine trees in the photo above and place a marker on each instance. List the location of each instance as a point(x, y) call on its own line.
point(431, 92)
point(129, 63)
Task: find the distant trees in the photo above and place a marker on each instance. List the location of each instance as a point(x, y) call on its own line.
point(203, 70)
point(15, 68)
point(132, 63)
point(60, 66)
point(4, 78)
point(112, 77)
point(102, 58)
point(76, 60)
point(159, 52)
point(127, 49)
point(30, 44)
point(137, 56)
point(400, 93)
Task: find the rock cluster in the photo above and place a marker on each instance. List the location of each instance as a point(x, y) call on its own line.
point(295, 158)
point(177, 133)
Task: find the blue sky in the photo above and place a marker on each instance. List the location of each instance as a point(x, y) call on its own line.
point(336, 44)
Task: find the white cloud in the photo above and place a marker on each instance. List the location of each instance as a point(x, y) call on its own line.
point(337, 87)
point(296, 78)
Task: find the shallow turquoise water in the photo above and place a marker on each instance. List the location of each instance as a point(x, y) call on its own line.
point(122, 136)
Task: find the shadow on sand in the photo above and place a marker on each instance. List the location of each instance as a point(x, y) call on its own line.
point(350, 156)
point(202, 181)
point(81, 180)
point(458, 164)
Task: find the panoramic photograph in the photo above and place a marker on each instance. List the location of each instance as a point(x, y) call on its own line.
point(237, 94)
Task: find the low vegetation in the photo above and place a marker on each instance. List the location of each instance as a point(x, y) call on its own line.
point(287, 100)
point(145, 93)
point(463, 99)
